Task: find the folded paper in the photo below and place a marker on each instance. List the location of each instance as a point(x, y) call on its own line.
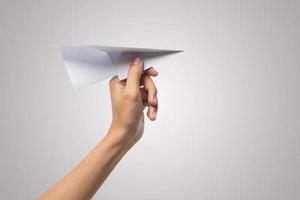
point(88, 64)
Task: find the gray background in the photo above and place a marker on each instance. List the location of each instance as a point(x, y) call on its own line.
point(229, 118)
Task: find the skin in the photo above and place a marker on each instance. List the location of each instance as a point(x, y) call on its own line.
point(129, 98)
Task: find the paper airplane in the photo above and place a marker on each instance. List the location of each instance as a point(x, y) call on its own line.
point(88, 64)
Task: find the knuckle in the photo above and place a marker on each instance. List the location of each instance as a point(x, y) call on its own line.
point(136, 69)
point(111, 81)
point(154, 90)
point(131, 95)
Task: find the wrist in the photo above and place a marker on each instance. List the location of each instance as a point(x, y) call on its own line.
point(118, 136)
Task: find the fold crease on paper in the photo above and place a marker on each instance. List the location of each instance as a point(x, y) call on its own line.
point(87, 64)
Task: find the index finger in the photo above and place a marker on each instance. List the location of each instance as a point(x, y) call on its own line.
point(135, 72)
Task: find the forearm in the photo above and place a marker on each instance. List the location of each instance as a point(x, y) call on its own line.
point(129, 99)
point(85, 179)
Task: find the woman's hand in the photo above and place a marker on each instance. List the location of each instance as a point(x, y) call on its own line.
point(129, 98)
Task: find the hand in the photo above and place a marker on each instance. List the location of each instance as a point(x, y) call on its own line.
point(129, 98)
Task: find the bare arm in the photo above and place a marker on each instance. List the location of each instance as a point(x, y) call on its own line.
point(129, 99)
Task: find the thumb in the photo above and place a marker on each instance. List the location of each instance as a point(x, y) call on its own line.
point(135, 72)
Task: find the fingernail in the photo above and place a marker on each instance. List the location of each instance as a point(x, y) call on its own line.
point(155, 70)
point(154, 115)
point(136, 60)
point(154, 99)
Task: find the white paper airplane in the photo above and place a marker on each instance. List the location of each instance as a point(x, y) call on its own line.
point(88, 64)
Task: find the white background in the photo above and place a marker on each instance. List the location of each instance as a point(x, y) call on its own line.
point(229, 117)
